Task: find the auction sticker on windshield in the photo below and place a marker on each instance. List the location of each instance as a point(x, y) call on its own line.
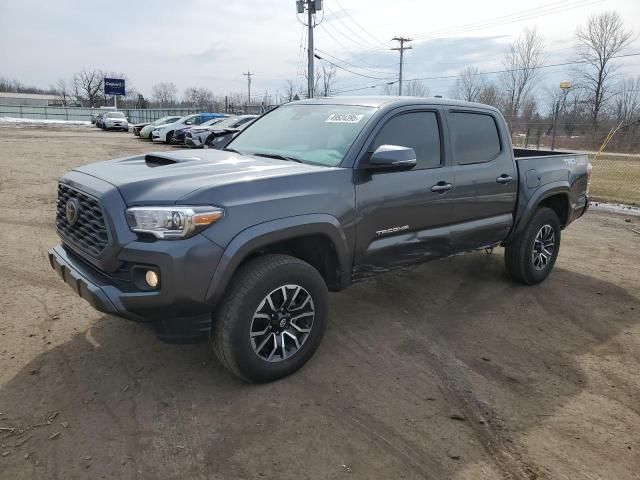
point(344, 118)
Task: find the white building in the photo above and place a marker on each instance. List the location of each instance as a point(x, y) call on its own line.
point(33, 99)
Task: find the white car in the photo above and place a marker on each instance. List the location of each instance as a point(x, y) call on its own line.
point(114, 121)
point(197, 137)
point(164, 133)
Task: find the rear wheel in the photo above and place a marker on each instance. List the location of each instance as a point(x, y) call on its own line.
point(530, 257)
point(272, 319)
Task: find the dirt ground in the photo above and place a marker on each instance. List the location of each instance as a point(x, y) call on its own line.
point(445, 371)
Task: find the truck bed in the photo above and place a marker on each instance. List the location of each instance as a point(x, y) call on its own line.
point(554, 171)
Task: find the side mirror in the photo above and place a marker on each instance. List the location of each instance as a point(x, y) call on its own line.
point(392, 157)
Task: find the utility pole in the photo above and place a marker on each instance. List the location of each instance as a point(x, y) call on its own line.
point(248, 75)
point(401, 49)
point(311, 7)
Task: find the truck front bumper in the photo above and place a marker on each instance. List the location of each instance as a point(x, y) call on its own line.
point(176, 310)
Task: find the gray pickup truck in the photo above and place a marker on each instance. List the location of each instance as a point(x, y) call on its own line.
point(240, 246)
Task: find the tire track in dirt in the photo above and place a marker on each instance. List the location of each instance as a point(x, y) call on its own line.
point(34, 279)
point(24, 223)
point(420, 461)
point(453, 376)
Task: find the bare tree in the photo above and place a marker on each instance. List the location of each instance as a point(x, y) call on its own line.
point(410, 88)
point(599, 41)
point(489, 95)
point(415, 88)
point(529, 112)
point(62, 91)
point(317, 74)
point(626, 100)
point(469, 84)
point(164, 93)
point(89, 85)
point(522, 62)
point(574, 111)
point(289, 91)
point(328, 79)
point(198, 97)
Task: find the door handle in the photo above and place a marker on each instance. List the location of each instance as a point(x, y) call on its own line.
point(441, 187)
point(504, 178)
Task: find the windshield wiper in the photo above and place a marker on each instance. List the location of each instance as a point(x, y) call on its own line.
point(277, 156)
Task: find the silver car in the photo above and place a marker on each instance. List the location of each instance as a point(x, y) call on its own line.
point(115, 121)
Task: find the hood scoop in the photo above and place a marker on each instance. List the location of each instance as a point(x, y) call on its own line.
point(158, 160)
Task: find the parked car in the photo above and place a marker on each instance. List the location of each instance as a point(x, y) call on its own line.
point(135, 129)
point(99, 118)
point(179, 134)
point(240, 246)
point(114, 121)
point(145, 132)
point(164, 133)
point(197, 137)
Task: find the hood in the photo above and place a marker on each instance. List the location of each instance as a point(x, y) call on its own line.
point(168, 177)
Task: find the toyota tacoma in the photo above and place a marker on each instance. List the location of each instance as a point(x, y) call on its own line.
point(240, 246)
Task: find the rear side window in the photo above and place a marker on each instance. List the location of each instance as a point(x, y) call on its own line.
point(417, 130)
point(475, 137)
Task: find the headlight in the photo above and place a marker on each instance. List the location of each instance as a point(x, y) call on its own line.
point(172, 223)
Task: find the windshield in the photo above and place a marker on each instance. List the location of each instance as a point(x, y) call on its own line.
point(317, 134)
point(163, 120)
point(188, 120)
point(211, 122)
point(228, 122)
point(115, 115)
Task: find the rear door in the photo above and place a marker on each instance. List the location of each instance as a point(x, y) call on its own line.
point(402, 216)
point(485, 176)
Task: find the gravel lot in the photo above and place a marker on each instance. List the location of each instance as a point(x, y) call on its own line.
point(448, 370)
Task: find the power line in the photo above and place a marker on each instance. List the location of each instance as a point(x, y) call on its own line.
point(352, 64)
point(528, 14)
point(443, 77)
point(363, 42)
point(348, 70)
point(353, 20)
point(347, 49)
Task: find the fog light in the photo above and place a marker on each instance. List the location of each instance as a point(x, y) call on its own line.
point(151, 278)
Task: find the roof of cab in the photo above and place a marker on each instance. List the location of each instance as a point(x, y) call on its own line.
point(390, 101)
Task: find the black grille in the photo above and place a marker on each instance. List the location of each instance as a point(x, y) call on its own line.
point(89, 231)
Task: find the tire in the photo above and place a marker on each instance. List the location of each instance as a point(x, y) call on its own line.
point(531, 256)
point(243, 310)
point(168, 137)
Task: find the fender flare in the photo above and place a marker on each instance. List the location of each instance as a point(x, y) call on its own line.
point(545, 191)
point(263, 234)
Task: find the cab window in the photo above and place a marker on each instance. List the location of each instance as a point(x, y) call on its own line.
point(475, 137)
point(417, 130)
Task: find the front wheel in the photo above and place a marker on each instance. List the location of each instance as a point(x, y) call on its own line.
point(531, 256)
point(272, 319)
point(169, 137)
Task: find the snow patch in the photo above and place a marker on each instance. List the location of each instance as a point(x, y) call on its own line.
point(616, 207)
point(38, 121)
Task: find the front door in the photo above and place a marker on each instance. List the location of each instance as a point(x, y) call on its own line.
point(402, 215)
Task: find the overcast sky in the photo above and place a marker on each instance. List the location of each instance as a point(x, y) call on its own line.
point(206, 43)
